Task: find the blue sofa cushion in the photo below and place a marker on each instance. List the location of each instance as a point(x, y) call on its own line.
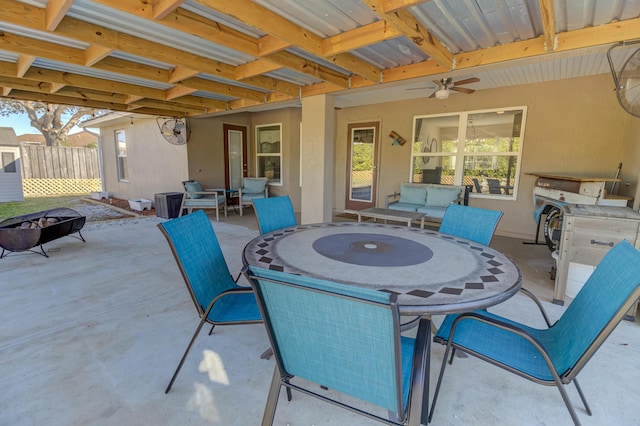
point(441, 197)
point(413, 194)
point(405, 207)
point(432, 211)
point(193, 186)
point(209, 201)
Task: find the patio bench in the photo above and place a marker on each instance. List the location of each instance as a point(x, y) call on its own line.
point(430, 199)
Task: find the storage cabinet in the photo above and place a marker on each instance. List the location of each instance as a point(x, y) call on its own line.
point(588, 233)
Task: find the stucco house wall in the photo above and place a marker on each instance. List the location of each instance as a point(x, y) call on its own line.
point(573, 126)
point(206, 149)
point(153, 164)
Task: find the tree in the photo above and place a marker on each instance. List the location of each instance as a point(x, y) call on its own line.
point(52, 120)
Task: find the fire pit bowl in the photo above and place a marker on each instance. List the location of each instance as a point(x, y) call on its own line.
point(22, 233)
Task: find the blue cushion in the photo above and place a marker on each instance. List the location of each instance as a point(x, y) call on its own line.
point(209, 201)
point(413, 194)
point(442, 197)
point(432, 211)
point(254, 186)
point(405, 207)
point(193, 186)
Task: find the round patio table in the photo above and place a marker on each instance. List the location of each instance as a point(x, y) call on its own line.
point(431, 273)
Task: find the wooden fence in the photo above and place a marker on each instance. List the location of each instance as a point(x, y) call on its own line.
point(58, 170)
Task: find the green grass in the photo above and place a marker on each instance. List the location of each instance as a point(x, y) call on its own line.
point(36, 204)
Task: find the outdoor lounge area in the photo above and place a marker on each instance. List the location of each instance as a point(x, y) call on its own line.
point(93, 337)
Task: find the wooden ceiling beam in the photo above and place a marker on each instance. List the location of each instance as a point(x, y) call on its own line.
point(257, 67)
point(179, 73)
point(548, 16)
point(185, 109)
point(133, 69)
point(269, 44)
point(77, 80)
point(95, 53)
point(178, 91)
point(23, 64)
point(362, 36)
point(23, 84)
point(22, 14)
point(54, 11)
point(38, 48)
point(223, 89)
point(162, 8)
point(394, 5)
point(311, 68)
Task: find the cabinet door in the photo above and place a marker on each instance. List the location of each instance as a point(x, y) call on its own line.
point(594, 237)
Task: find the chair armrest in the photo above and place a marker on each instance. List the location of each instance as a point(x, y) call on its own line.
point(205, 192)
point(220, 190)
point(511, 328)
point(538, 303)
point(390, 198)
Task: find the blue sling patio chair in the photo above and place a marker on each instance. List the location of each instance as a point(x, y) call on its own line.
point(554, 355)
point(215, 294)
point(274, 213)
point(341, 337)
point(472, 223)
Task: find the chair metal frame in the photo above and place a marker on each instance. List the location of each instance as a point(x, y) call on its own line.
point(203, 313)
point(559, 378)
point(406, 414)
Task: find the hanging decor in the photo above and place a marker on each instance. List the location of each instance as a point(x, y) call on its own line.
point(397, 139)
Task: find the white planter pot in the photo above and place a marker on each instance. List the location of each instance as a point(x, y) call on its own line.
point(140, 204)
point(99, 195)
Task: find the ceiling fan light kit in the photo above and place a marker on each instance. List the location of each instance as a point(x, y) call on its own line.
point(442, 94)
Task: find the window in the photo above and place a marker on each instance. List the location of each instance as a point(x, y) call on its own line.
point(477, 148)
point(121, 155)
point(269, 152)
point(9, 162)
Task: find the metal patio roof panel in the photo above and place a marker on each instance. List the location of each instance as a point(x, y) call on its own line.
point(391, 53)
point(465, 26)
point(324, 18)
point(205, 12)
point(294, 77)
point(117, 20)
point(574, 15)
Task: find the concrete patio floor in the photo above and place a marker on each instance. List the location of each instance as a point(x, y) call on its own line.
point(92, 334)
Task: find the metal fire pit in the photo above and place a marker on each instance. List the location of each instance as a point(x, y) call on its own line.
point(13, 238)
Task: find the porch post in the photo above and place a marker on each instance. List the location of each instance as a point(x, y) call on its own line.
point(317, 146)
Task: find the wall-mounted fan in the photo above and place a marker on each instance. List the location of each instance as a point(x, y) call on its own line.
point(445, 85)
point(175, 130)
point(627, 80)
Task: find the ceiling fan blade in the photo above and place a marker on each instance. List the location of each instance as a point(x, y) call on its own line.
point(418, 88)
point(462, 90)
point(467, 81)
point(433, 95)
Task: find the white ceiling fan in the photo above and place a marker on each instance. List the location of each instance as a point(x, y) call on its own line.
point(446, 85)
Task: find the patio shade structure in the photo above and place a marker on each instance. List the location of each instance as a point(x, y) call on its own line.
point(195, 57)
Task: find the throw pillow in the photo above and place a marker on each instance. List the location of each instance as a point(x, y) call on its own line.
point(442, 197)
point(193, 186)
point(413, 194)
